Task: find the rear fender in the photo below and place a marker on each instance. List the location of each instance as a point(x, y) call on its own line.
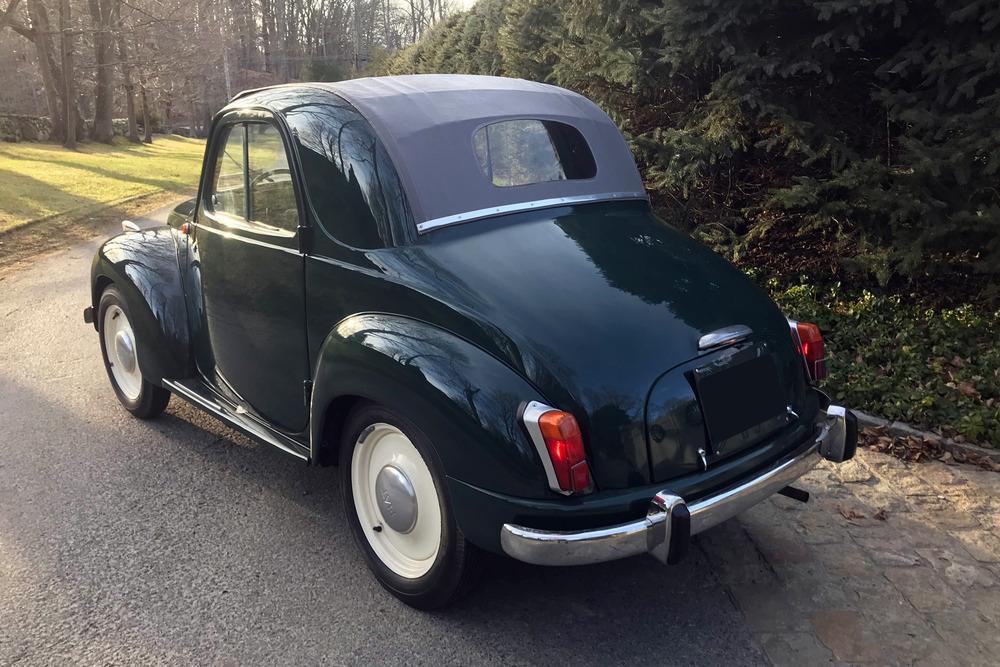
point(465, 400)
point(144, 267)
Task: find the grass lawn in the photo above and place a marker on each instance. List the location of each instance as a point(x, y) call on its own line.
point(39, 181)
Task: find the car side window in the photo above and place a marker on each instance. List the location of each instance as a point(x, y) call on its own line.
point(351, 182)
point(272, 192)
point(228, 193)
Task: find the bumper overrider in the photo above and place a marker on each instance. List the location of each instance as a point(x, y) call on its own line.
point(670, 522)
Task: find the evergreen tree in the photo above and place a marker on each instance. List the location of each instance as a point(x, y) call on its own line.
point(877, 121)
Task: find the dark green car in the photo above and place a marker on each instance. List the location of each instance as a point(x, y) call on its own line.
point(453, 288)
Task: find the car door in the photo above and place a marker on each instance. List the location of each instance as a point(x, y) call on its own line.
point(251, 343)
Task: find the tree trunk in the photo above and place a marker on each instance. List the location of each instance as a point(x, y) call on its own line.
point(133, 125)
point(357, 37)
point(69, 92)
point(100, 17)
point(413, 21)
point(47, 64)
point(147, 123)
point(267, 30)
point(388, 41)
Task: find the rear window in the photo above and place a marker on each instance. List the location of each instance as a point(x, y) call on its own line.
point(522, 152)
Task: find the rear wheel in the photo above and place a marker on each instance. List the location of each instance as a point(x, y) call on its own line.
point(121, 359)
point(398, 510)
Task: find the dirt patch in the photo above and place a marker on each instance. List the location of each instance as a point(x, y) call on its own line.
point(25, 244)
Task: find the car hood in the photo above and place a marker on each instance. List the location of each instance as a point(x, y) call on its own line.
point(593, 304)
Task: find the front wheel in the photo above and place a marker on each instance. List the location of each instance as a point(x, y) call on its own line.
point(398, 510)
point(121, 359)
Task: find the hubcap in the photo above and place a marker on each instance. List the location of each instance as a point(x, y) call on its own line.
point(119, 346)
point(125, 350)
point(389, 482)
point(397, 501)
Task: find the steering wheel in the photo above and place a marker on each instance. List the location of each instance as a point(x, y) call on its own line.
point(269, 175)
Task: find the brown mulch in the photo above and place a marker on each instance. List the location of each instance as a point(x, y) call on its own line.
point(919, 449)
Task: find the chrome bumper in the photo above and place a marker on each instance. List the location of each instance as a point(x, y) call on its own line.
point(670, 522)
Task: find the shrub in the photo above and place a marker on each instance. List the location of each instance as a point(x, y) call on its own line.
point(934, 367)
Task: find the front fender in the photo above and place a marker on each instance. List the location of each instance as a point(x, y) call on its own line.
point(465, 400)
point(144, 267)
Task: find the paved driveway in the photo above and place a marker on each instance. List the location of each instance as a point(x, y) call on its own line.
point(180, 541)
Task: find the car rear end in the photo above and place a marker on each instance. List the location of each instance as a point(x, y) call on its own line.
point(726, 430)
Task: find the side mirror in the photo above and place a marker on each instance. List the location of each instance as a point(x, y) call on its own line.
point(129, 226)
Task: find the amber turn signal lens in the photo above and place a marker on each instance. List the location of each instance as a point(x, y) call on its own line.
point(565, 444)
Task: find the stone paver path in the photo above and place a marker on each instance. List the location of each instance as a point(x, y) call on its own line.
point(889, 563)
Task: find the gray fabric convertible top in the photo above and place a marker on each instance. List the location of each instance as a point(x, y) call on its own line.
point(427, 122)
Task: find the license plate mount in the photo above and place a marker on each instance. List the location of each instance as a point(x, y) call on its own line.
point(742, 403)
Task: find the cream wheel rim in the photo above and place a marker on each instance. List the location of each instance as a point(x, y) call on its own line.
point(119, 346)
point(396, 500)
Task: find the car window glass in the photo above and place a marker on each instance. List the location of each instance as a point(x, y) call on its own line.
point(272, 193)
point(351, 181)
point(521, 152)
point(228, 189)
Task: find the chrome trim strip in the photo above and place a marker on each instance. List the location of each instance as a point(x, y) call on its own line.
point(649, 535)
point(245, 424)
point(532, 413)
point(193, 396)
point(478, 214)
point(245, 239)
point(724, 336)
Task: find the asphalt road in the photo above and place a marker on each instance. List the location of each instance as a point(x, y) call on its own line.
point(180, 541)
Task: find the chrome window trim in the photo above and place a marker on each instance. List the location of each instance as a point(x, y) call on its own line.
point(468, 216)
point(533, 411)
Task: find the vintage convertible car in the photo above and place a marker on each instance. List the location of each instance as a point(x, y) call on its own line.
point(454, 288)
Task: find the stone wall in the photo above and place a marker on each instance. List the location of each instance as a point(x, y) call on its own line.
point(17, 127)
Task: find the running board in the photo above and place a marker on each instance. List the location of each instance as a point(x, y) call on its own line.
point(244, 423)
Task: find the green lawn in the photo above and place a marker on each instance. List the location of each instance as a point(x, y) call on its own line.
point(38, 181)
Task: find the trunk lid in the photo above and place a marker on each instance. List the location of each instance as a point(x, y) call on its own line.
point(602, 307)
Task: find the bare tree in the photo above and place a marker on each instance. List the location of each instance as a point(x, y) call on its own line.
point(102, 38)
point(69, 95)
point(183, 59)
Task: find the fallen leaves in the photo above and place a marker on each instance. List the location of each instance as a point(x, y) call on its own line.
point(849, 513)
point(920, 449)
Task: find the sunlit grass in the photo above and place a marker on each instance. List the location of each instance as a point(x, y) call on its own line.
point(38, 181)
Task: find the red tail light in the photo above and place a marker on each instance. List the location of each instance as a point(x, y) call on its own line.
point(557, 437)
point(813, 351)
